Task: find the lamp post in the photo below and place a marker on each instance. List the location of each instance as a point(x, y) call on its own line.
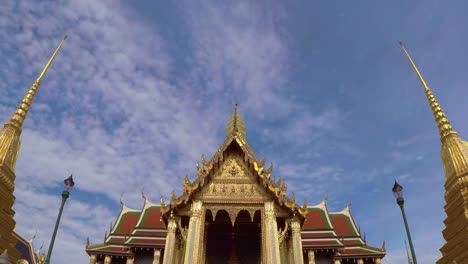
point(398, 192)
point(65, 194)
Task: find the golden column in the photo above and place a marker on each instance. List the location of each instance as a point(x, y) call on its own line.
point(130, 260)
point(337, 261)
point(9, 148)
point(272, 242)
point(297, 240)
point(311, 257)
point(290, 252)
point(193, 244)
point(360, 261)
point(107, 259)
point(170, 249)
point(92, 259)
point(157, 256)
point(454, 153)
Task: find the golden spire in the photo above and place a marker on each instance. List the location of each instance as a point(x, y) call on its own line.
point(19, 116)
point(236, 125)
point(445, 129)
point(9, 135)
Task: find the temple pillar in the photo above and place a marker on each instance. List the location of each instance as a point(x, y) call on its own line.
point(156, 256)
point(290, 251)
point(177, 251)
point(297, 241)
point(378, 261)
point(337, 261)
point(130, 259)
point(360, 261)
point(272, 243)
point(205, 239)
point(311, 257)
point(92, 259)
point(193, 245)
point(169, 249)
point(284, 252)
point(107, 259)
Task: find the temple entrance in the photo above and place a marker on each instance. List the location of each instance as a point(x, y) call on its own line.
point(240, 243)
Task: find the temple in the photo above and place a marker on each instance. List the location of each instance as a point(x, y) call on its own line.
point(9, 149)
point(233, 212)
point(454, 154)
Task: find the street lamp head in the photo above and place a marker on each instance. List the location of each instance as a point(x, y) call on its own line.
point(69, 183)
point(397, 190)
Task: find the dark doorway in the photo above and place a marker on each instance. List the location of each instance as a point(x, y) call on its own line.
point(218, 247)
point(238, 244)
point(247, 238)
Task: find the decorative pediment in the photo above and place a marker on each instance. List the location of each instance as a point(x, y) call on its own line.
point(234, 173)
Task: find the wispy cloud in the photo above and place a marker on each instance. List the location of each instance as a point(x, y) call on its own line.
point(122, 110)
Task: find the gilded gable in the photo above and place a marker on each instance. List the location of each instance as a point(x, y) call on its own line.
point(235, 182)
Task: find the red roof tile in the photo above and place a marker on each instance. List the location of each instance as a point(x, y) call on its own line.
point(151, 218)
point(320, 243)
point(143, 241)
point(342, 225)
point(127, 223)
point(316, 219)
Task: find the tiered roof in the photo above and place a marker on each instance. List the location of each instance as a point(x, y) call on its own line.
point(335, 230)
point(235, 134)
point(321, 229)
point(133, 228)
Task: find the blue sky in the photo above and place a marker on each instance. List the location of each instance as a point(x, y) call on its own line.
point(140, 91)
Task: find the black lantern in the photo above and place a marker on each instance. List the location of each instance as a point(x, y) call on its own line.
point(69, 183)
point(397, 190)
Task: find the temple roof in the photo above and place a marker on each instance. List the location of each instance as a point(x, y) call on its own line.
point(25, 248)
point(235, 136)
point(321, 229)
point(133, 228)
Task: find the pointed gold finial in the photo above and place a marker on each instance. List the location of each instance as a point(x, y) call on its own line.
point(236, 125)
point(21, 112)
point(10, 133)
point(445, 129)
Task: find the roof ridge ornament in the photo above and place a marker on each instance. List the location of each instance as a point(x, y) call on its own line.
point(120, 201)
point(235, 125)
point(33, 237)
point(143, 194)
point(443, 124)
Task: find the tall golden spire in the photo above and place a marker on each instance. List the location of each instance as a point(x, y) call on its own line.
point(19, 116)
point(9, 135)
point(9, 148)
point(445, 129)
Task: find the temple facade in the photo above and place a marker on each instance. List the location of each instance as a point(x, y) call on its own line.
point(233, 212)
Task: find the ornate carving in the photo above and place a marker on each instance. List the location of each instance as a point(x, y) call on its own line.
point(172, 225)
point(183, 231)
point(197, 208)
point(283, 233)
point(232, 189)
point(233, 211)
point(311, 256)
point(232, 169)
point(270, 211)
